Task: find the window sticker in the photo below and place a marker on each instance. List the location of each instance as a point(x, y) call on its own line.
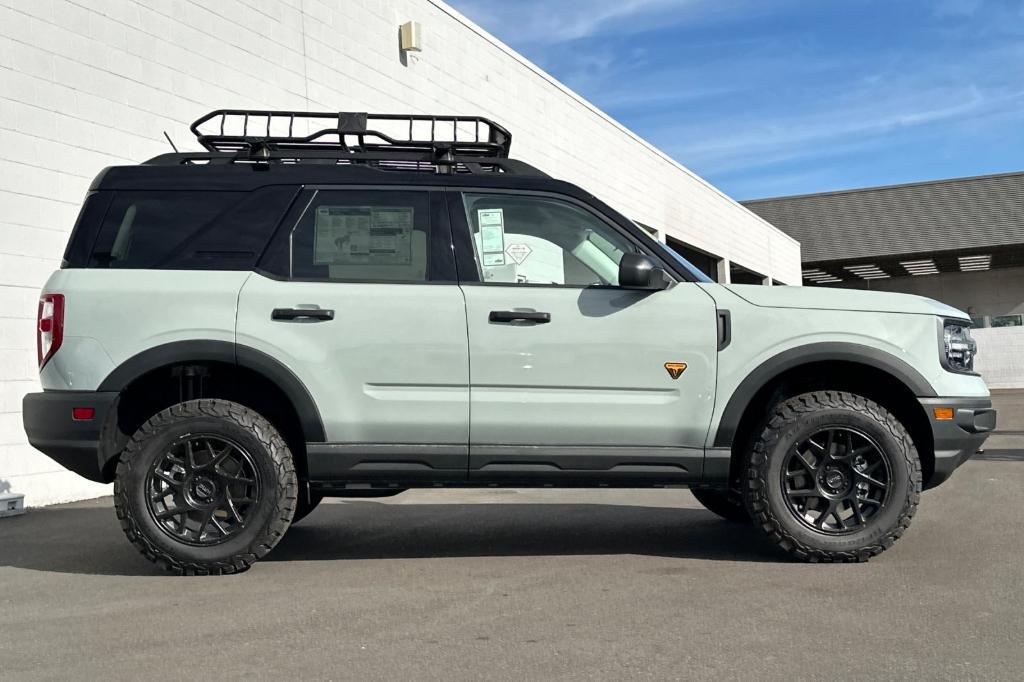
point(492, 235)
point(518, 252)
point(363, 235)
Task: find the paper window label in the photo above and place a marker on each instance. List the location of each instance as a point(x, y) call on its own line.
point(492, 235)
point(363, 235)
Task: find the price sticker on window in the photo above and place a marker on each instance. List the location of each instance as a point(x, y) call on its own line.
point(492, 235)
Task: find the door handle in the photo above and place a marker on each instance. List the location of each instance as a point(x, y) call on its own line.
point(518, 315)
point(308, 314)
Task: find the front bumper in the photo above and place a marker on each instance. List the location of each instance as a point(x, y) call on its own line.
point(72, 443)
point(958, 438)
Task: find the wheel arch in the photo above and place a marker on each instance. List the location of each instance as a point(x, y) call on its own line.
point(250, 373)
point(878, 375)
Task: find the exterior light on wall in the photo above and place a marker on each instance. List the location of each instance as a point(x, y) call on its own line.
point(409, 37)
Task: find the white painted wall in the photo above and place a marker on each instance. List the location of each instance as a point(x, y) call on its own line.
point(1000, 356)
point(86, 84)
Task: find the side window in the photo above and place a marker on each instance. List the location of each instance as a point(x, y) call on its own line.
point(188, 230)
point(362, 236)
point(536, 240)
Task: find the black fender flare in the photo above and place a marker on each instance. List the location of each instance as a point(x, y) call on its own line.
point(805, 355)
point(230, 353)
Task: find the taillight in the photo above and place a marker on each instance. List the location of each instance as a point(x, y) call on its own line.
point(49, 326)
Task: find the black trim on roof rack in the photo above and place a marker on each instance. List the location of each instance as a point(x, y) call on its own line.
point(394, 142)
point(244, 128)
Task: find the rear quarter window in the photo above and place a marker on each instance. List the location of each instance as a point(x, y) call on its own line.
point(83, 236)
point(188, 230)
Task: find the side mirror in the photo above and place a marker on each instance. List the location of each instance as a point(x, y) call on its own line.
point(637, 271)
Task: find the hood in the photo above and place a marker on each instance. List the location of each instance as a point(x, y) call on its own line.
point(827, 298)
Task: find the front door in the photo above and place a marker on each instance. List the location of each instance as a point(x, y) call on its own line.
point(572, 377)
point(362, 305)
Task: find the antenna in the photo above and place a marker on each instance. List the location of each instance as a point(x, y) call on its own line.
point(171, 142)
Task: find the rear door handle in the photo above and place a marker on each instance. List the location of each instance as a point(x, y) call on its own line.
point(518, 315)
point(306, 314)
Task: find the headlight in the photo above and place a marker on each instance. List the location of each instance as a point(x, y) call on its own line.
point(957, 346)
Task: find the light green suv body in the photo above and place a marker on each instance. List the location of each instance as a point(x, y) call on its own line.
point(396, 329)
point(398, 373)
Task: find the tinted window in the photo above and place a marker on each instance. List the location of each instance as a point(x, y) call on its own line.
point(190, 230)
point(535, 240)
point(363, 236)
point(86, 228)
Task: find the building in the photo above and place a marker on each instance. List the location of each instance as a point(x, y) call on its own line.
point(960, 241)
point(83, 86)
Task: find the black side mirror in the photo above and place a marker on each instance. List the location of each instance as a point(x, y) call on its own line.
point(637, 271)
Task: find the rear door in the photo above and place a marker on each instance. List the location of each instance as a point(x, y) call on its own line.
point(357, 296)
point(572, 377)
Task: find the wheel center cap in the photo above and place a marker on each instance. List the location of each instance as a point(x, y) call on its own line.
point(204, 488)
point(835, 479)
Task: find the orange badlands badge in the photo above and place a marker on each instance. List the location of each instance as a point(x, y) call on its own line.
point(675, 369)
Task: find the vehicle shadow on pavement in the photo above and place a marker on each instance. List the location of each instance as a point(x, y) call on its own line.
point(371, 530)
point(85, 538)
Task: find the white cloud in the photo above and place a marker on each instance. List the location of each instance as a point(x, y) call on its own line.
point(841, 127)
point(957, 8)
point(552, 22)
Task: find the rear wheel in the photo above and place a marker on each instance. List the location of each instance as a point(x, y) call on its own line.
point(726, 503)
point(205, 487)
point(833, 477)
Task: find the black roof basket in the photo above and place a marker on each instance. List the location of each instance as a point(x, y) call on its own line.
point(410, 142)
point(233, 130)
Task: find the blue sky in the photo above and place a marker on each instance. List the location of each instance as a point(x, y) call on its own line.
point(775, 97)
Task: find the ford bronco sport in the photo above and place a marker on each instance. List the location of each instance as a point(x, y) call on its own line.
point(354, 305)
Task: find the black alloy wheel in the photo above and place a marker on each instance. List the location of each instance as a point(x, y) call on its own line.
point(837, 480)
point(203, 489)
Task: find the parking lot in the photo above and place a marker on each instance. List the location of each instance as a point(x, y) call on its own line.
point(512, 584)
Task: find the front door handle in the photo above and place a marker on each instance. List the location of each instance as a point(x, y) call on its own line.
point(518, 315)
point(305, 314)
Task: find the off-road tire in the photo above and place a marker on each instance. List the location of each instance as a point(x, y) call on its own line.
point(305, 504)
point(789, 422)
point(727, 504)
point(272, 515)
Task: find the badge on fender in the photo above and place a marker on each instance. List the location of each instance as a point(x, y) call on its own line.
point(675, 369)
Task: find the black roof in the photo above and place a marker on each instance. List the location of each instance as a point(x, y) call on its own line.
point(923, 217)
point(246, 177)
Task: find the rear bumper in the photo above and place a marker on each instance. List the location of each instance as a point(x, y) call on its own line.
point(74, 444)
point(958, 438)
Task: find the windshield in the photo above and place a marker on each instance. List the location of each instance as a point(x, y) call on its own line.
point(690, 267)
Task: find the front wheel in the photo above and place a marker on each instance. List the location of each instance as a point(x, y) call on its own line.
point(832, 477)
point(205, 487)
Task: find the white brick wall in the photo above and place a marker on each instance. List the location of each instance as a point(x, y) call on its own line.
point(89, 83)
point(1001, 356)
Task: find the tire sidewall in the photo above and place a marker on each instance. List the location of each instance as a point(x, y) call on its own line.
point(901, 484)
point(143, 454)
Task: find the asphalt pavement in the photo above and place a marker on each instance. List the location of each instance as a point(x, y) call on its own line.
point(529, 584)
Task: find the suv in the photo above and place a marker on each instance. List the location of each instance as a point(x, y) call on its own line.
point(355, 305)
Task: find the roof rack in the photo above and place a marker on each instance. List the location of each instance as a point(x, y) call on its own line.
point(401, 142)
